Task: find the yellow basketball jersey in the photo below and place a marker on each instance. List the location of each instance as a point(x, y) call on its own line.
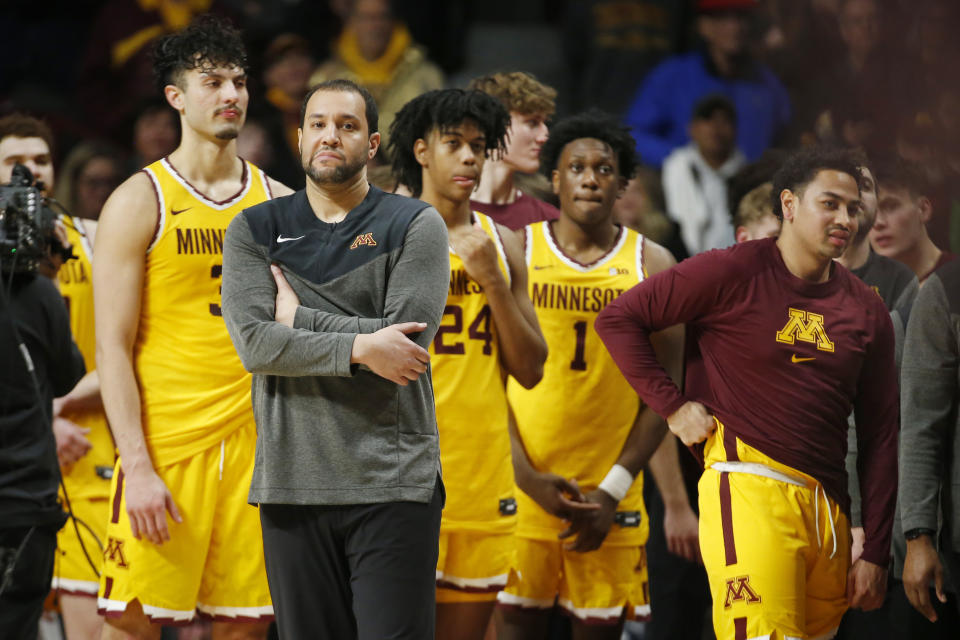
point(76, 286)
point(472, 404)
point(575, 421)
point(194, 391)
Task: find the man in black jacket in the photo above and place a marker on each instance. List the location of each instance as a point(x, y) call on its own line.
point(34, 334)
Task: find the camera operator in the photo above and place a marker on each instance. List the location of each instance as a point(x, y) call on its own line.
point(40, 361)
point(84, 445)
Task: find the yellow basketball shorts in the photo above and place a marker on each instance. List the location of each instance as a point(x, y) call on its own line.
point(595, 587)
point(213, 563)
point(75, 573)
point(776, 550)
point(472, 566)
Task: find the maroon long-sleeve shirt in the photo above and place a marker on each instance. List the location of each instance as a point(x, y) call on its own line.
point(781, 363)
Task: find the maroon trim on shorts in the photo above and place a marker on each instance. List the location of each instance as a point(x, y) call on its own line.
point(593, 622)
point(519, 607)
point(167, 622)
point(170, 622)
point(107, 587)
point(739, 629)
point(74, 592)
point(245, 619)
point(726, 520)
point(115, 518)
point(497, 588)
point(730, 445)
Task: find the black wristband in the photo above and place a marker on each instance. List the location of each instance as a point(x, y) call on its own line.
point(913, 534)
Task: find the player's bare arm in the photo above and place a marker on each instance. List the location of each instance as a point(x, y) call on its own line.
point(83, 397)
point(645, 439)
point(278, 189)
point(557, 495)
point(680, 524)
point(127, 225)
point(72, 443)
point(522, 347)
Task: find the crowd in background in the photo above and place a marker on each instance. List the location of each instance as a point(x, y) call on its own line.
point(711, 88)
point(867, 73)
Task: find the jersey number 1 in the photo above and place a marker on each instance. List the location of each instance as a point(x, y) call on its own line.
point(578, 363)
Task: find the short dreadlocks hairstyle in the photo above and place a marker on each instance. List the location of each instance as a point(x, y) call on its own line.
point(802, 167)
point(207, 42)
point(442, 109)
point(590, 124)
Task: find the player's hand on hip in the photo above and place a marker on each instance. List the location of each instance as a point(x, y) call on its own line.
point(692, 423)
point(920, 568)
point(148, 501)
point(682, 531)
point(866, 585)
point(72, 443)
point(558, 496)
point(591, 529)
point(390, 354)
point(287, 300)
point(479, 254)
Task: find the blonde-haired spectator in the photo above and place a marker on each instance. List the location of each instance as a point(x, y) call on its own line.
point(754, 218)
point(376, 50)
point(530, 103)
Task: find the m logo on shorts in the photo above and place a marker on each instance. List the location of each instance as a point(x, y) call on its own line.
point(739, 590)
point(364, 239)
point(806, 327)
point(114, 553)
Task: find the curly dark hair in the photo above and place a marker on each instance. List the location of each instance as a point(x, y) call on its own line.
point(209, 41)
point(441, 109)
point(595, 124)
point(801, 168)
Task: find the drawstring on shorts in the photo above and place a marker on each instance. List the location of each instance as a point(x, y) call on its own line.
point(757, 469)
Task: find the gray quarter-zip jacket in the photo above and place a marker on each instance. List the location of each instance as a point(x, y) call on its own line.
point(329, 432)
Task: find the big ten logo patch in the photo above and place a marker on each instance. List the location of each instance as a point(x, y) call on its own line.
point(806, 327)
point(364, 239)
point(739, 590)
point(619, 271)
point(113, 552)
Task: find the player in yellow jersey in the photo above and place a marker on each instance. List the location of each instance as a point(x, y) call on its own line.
point(582, 422)
point(438, 143)
point(181, 537)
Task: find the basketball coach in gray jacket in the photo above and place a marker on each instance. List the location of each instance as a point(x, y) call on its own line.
point(331, 296)
point(930, 441)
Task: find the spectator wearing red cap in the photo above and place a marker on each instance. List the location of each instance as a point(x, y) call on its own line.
point(664, 105)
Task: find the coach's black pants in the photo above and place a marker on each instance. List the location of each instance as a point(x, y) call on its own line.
point(27, 580)
point(356, 571)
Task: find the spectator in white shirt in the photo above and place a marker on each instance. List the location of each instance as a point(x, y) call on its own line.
point(695, 176)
